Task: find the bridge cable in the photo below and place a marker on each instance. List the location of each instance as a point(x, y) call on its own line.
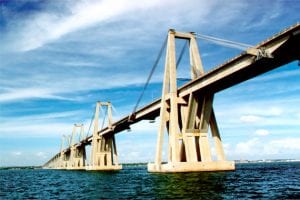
point(155, 65)
point(223, 42)
point(181, 54)
point(92, 119)
point(179, 59)
point(105, 114)
point(114, 109)
point(150, 75)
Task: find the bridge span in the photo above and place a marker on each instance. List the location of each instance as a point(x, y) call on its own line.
point(186, 113)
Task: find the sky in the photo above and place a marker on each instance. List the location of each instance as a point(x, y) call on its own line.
point(58, 58)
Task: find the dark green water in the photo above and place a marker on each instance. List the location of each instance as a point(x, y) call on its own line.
point(262, 181)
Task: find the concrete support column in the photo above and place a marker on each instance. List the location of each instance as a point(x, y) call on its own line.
point(217, 138)
point(187, 121)
point(104, 152)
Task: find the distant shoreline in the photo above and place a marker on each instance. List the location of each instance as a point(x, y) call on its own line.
point(21, 167)
point(266, 161)
point(140, 164)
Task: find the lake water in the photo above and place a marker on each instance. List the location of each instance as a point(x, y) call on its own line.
point(259, 180)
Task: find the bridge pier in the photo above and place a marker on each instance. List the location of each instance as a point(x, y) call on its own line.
point(54, 163)
point(187, 120)
point(77, 157)
point(60, 164)
point(67, 158)
point(104, 155)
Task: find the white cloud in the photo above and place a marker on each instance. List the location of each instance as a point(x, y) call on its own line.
point(26, 157)
point(262, 132)
point(29, 93)
point(46, 27)
point(257, 113)
point(288, 144)
point(275, 10)
point(42, 117)
point(30, 129)
point(140, 151)
point(256, 148)
point(40, 125)
point(257, 109)
point(275, 111)
point(146, 126)
point(248, 147)
point(277, 76)
point(60, 88)
point(41, 154)
point(250, 118)
point(17, 153)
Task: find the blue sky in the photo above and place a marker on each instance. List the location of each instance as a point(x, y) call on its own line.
point(57, 58)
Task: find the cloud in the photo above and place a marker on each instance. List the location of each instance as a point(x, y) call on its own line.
point(250, 118)
point(276, 11)
point(146, 127)
point(259, 111)
point(262, 132)
point(29, 157)
point(29, 93)
point(41, 154)
point(46, 129)
point(277, 75)
point(83, 22)
point(275, 111)
point(59, 88)
point(247, 147)
point(40, 125)
point(285, 144)
point(44, 27)
point(47, 26)
point(141, 151)
point(256, 148)
point(17, 153)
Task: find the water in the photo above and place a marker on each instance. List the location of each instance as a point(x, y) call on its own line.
point(261, 180)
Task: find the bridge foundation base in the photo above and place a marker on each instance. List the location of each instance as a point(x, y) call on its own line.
point(192, 167)
point(103, 168)
point(74, 168)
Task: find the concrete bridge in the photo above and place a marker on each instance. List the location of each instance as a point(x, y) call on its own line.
point(186, 114)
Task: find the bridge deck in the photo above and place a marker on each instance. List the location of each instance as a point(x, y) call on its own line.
point(283, 47)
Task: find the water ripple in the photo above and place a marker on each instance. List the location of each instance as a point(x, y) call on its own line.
point(249, 181)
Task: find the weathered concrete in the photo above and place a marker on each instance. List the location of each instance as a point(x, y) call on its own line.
point(104, 151)
point(192, 166)
point(187, 120)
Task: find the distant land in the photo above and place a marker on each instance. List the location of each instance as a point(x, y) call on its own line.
point(21, 167)
point(140, 164)
point(267, 160)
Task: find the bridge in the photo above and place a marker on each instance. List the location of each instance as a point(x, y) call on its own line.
point(186, 113)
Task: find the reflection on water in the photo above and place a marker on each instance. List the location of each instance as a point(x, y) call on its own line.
point(192, 185)
point(263, 181)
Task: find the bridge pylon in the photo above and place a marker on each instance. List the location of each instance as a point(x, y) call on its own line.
point(61, 161)
point(104, 155)
point(187, 120)
point(77, 152)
